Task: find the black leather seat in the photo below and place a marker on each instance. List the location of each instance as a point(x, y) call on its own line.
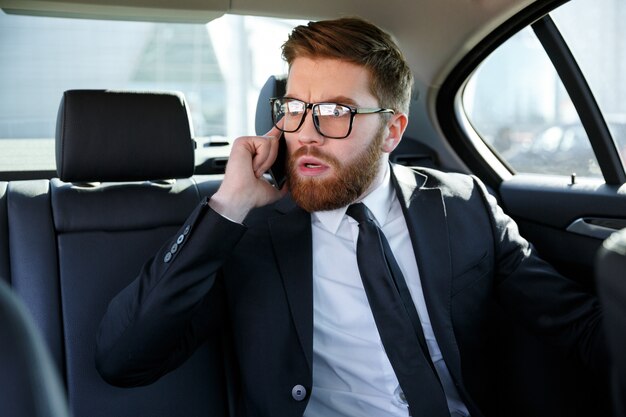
point(125, 163)
point(29, 383)
point(611, 282)
point(275, 86)
point(4, 234)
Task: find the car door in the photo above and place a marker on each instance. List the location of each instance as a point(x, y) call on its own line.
point(537, 110)
point(556, 158)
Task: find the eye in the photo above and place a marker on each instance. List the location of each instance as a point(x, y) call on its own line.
point(334, 110)
point(294, 107)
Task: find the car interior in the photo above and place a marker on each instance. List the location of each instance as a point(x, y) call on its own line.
point(29, 383)
point(611, 289)
point(126, 178)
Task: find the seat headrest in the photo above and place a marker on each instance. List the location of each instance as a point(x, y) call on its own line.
point(105, 135)
point(275, 86)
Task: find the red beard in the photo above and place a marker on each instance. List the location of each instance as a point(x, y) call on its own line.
point(348, 181)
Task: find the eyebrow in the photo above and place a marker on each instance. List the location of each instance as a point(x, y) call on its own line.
point(336, 99)
point(343, 100)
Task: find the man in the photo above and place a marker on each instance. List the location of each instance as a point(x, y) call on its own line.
point(286, 270)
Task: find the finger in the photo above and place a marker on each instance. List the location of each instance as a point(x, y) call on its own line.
point(272, 152)
point(265, 154)
point(274, 131)
point(264, 163)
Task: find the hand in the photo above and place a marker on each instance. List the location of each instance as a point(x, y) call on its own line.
point(244, 187)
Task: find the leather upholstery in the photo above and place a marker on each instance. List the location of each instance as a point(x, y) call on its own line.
point(100, 250)
point(5, 269)
point(29, 384)
point(73, 245)
point(105, 135)
point(275, 86)
point(33, 255)
point(611, 281)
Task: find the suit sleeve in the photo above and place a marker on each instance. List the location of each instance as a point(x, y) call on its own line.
point(158, 321)
point(549, 304)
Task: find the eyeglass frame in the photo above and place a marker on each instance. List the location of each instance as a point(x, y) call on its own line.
point(353, 112)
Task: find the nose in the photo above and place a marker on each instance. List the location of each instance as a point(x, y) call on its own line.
point(308, 134)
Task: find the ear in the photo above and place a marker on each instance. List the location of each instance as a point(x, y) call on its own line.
point(395, 129)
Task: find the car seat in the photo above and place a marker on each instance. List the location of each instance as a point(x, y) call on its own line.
point(29, 383)
point(125, 162)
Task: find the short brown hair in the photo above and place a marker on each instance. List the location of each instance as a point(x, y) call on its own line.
point(360, 42)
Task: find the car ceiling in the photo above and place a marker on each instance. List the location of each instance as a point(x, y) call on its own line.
point(434, 34)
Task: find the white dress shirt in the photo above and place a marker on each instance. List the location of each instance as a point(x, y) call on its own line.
point(352, 375)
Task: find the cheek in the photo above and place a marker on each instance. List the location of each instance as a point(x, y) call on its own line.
point(291, 141)
point(347, 151)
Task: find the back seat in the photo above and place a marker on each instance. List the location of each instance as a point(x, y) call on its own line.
point(68, 245)
point(29, 383)
point(5, 272)
point(125, 164)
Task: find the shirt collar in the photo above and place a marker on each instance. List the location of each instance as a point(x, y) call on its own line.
point(378, 201)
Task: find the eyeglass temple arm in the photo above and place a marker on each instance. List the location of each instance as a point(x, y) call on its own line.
point(372, 110)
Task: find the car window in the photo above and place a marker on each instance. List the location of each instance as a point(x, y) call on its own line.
point(220, 67)
point(518, 105)
point(600, 55)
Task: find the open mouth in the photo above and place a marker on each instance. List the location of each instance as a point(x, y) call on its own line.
point(311, 166)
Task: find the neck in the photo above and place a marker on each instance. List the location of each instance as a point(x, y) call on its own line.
point(383, 167)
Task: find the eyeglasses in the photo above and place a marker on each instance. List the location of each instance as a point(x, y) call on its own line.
point(331, 120)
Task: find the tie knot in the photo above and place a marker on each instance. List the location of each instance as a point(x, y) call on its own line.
point(360, 212)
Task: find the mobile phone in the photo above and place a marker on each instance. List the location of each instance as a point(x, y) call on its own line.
point(278, 169)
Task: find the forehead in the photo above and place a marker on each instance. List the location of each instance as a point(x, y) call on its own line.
point(324, 79)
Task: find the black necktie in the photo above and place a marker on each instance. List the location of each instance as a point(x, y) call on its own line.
point(397, 319)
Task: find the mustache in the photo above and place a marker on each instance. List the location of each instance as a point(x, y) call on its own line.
point(316, 152)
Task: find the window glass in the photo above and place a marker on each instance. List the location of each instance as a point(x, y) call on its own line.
point(518, 105)
point(220, 67)
point(600, 53)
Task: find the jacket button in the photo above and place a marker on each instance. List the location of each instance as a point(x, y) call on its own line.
point(298, 392)
point(187, 229)
point(174, 248)
point(180, 239)
point(399, 396)
point(168, 257)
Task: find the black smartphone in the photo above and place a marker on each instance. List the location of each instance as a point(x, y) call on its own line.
point(278, 169)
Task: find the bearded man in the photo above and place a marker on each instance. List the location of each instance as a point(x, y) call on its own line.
point(362, 288)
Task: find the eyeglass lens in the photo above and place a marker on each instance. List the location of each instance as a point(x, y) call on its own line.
point(331, 119)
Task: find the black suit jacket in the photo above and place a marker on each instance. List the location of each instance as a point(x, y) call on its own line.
point(257, 280)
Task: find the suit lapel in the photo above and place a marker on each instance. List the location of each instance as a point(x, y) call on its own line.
point(291, 237)
point(425, 214)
